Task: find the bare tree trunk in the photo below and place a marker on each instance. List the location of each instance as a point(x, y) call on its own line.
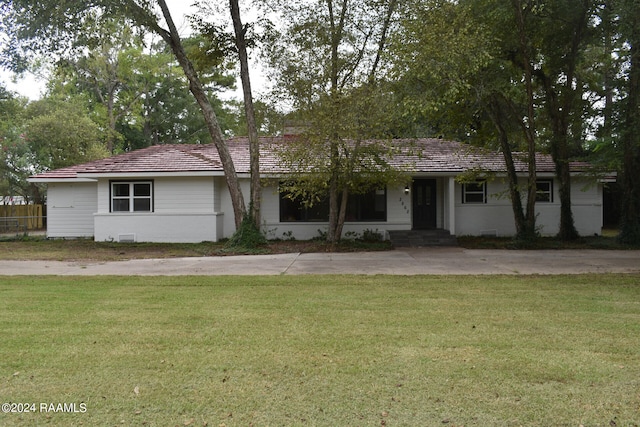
point(528, 127)
point(334, 191)
point(630, 214)
point(195, 86)
point(525, 229)
point(567, 227)
point(112, 121)
point(334, 206)
point(560, 106)
point(339, 195)
point(344, 198)
point(254, 144)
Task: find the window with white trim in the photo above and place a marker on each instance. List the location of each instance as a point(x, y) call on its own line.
point(474, 192)
point(544, 190)
point(131, 196)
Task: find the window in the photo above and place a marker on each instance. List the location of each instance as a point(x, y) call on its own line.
point(136, 196)
point(369, 206)
point(474, 192)
point(293, 210)
point(544, 191)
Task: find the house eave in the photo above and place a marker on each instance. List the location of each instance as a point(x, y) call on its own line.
point(59, 180)
point(98, 175)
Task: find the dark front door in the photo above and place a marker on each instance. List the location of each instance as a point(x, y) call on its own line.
point(424, 203)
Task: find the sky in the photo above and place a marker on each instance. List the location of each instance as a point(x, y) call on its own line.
point(33, 86)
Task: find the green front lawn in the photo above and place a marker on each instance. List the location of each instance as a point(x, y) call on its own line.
point(323, 350)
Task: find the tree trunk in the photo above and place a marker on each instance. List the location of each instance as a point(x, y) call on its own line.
point(334, 156)
point(112, 121)
point(561, 105)
point(630, 214)
point(567, 230)
point(334, 192)
point(528, 128)
point(560, 155)
point(525, 229)
point(343, 211)
point(383, 39)
point(254, 144)
point(195, 86)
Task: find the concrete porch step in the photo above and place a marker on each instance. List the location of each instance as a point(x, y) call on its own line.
point(414, 238)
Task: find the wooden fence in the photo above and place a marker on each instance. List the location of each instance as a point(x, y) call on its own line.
point(21, 217)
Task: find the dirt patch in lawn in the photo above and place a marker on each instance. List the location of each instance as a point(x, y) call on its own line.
point(38, 248)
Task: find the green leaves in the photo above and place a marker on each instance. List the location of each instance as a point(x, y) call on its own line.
point(63, 136)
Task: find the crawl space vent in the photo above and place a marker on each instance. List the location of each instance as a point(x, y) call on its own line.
point(127, 238)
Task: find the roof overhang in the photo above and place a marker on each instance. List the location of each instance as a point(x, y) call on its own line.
point(128, 175)
point(59, 179)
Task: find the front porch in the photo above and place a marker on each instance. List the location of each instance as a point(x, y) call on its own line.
point(432, 203)
point(431, 213)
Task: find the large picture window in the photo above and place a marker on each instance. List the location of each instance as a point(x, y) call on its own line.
point(369, 206)
point(133, 196)
point(474, 192)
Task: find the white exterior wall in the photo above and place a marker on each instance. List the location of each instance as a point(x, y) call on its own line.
point(185, 210)
point(195, 209)
point(228, 221)
point(492, 218)
point(496, 216)
point(70, 209)
point(586, 200)
point(398, 217)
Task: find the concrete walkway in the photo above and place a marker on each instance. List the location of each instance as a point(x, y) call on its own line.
point(406, 261)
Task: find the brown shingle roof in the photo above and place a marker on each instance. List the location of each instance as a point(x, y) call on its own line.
point(417, 155)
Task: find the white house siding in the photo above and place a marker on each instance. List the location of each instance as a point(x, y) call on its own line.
point(194, 209)
point(398, 217)
point(227, 222)
point(586, 199)
point(184, 211)
point(492, 218)
point(496, 216)
point(70, 209)
point(169, 228)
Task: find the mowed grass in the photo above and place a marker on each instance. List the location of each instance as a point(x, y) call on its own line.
point(323, 350)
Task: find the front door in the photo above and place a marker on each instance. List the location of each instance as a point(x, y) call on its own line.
point(424, 204)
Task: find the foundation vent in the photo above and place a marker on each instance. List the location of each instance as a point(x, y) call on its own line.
point(127, 238)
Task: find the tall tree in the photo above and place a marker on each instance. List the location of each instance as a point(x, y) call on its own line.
point(564, 29)
point(51, 25)
point(141, 94)
point(521, 61)
point(629, 13)
point(46, 134)
point(15, 158)
point(455, 73)
point(106, 71)
point(326, 62)
point(241, 43)
point(59, 134)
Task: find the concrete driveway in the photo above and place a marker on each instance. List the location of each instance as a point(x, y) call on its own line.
point(405, 261)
